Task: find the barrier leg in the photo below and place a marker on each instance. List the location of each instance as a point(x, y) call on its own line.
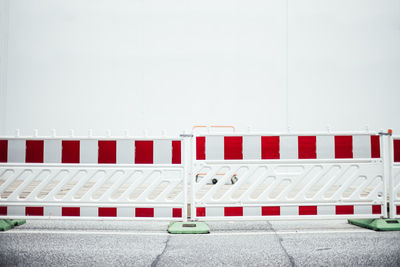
point(384, 224)
point(9, 224)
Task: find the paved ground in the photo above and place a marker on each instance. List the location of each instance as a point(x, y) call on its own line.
point(107, 243)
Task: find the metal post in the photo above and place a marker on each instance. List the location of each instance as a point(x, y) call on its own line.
point(392, 208)
point(386, 149)
point(187, 167)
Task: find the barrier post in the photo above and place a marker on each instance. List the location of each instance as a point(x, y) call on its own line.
point(386, 169)
point(392, 208)
point(187, 163)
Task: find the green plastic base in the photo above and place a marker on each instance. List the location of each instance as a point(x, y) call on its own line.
point(9, 224)
point(188, 228)
point(377, 224)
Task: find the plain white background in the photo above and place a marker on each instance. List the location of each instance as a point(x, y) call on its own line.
point(172, 64)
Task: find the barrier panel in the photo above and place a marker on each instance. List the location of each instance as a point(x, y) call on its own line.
point(96, 178)
point(395, 181)
point(264, 176)
point(232, 176)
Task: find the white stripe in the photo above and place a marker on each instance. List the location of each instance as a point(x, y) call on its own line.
point(52, 151)
point(16, 151)
point(326, 210)
point(358, 209)
point(214, 212)
point(251, 211)
point(125, 212)
point(214, 147)
point(251, 147)
point(285, 211)
point(361, 146)
point(288, 147)
point(125, 152)
point(162, 212)
point(162, 152)
point(325, 147)
point(52, 211)
point(15, 210)
point(89, 212)
point(88, 151)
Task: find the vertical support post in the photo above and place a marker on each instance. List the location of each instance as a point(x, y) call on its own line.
point(193, 214)
point(187, 169)
point(392, 208)
point(383, 147)
point(386, 148)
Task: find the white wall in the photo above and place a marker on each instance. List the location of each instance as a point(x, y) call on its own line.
point(172, 64)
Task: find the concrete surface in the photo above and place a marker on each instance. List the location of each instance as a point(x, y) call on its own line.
point(277, 243)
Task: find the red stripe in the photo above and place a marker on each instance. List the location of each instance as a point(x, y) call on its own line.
point(396, 150)
point(376, 209)
point(34, 151)
point(107, 212)
point(308, 210)
point(3, 210)
point(144, 152)
point(233, 147)
point(144, 212)
point(307, 147)
point(3, 150)
point(177, 213)
point(398, 210)
point(233, 211)
point(375, 147)
point(344, 147)
point(201, 148)
point(349, 209)
point(107, 152)
point(70, 211)
point(70, 151)
point(176, 152)
point(271, 211)
point(270, 147)
point(201, 212)
point(34, 211)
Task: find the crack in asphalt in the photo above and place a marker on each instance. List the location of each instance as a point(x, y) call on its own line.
point(157, 259)
point(291, 260)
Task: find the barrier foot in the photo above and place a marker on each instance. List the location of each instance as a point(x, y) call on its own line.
point(188, 228)
point(377, 224)
point(9, 224)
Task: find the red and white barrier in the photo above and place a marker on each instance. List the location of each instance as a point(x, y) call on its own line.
point(253, 176)
point(90, 151)
point(253, 147)
point(87, 212)
point(241, 176)
point(285, 211)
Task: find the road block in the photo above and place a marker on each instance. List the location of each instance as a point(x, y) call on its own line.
point(288, 176)
point(92, 178)
point(223, 176)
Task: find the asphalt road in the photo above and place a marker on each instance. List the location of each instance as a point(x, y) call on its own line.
point(277, 243)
